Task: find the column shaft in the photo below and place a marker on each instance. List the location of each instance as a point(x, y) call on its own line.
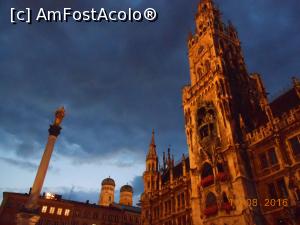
point(41, 173)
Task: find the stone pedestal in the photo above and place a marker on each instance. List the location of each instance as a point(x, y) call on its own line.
point(27, 218)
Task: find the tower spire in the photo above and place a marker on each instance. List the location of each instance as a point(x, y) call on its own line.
point(152, 138)
point(152, 148)
point(150, 176)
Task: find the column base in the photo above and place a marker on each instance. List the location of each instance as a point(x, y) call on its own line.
point(27, 218)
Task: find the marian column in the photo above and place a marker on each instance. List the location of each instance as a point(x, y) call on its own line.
point(30, 214)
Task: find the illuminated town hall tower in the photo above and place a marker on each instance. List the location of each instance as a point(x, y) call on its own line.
point(220, 105)
point(243, 164)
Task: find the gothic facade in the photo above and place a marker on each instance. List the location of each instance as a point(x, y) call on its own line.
point(166, 197)
point(243, 150)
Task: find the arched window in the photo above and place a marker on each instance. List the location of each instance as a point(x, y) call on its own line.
point(207, 170)
point(207, 176)
point(204, 131)
point(225, 203)
point(211, 207)
point(200, 115)
point(211, 200)
point(224, 198)
point(220, 167)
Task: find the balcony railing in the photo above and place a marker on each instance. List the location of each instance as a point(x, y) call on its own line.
point(222, 176)
point(226, 206)
point(211, 210)
point(206, 181)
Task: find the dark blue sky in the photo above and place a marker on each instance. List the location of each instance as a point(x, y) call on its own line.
point(117, 82)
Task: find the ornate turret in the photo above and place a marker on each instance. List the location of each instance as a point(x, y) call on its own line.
point(151, 174)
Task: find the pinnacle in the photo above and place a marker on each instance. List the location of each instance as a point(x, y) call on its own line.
point(152, 147)
point(152, 138)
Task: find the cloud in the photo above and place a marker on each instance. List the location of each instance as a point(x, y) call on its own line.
point(76, 193)
point(138, 185)
point(138, 188)
point(20, 163)
point(105, 103)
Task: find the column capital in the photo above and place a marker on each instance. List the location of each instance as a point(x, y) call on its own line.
point(54, 130)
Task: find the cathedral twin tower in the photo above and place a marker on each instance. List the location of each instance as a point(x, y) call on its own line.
point(107, 193)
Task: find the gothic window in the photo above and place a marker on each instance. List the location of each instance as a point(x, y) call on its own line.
point(263, 161)
point(295, 145)
point(224, 198)
point(272, 191)
point(211, 200)
point(201, 114)
point(282, 190)
point(204, 131)
point(272, 157)
point(220, 167)
point(268, 158)
point(278, 189)
point(182, 200)
point(207, 170)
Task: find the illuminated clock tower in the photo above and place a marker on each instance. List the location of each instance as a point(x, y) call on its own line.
point(219, 107)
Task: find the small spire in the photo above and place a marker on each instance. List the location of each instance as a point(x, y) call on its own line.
point(152, 148)
point(152, 138)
